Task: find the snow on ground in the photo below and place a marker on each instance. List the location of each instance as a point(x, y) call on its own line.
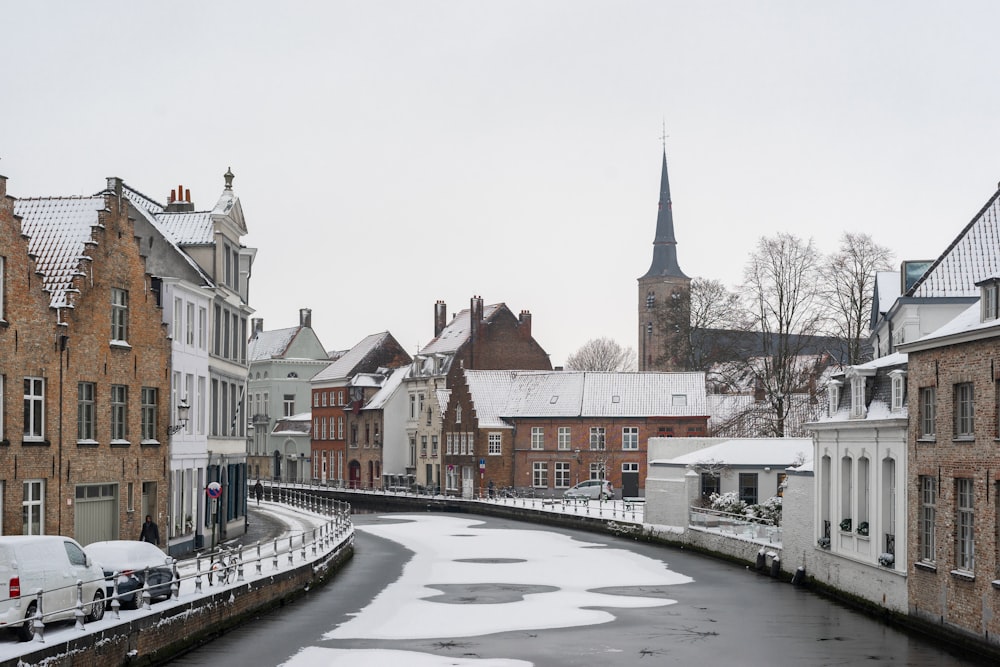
point(296, 523)
point(516, 580)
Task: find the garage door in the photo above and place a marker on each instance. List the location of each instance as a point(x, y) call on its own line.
point(96, 513)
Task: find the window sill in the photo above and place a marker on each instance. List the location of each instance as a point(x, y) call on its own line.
point(964, 438)
point(927, 439)
point(87, 443)
point(964, 575)
point(35, 443)
point(120, 344)
point(925, 566)
point(121, 443)
point(150, 443)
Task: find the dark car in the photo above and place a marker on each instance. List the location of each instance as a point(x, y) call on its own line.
point(131, 560)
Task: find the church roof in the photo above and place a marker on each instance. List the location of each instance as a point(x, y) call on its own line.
point(664, 245)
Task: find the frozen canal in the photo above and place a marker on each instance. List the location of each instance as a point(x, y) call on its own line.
point(433, 590)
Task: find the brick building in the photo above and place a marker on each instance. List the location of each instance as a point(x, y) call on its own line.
point(550, 430)
point(82, 344)
point(482, 337)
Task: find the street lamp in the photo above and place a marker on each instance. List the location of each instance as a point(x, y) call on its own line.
point(182, 417)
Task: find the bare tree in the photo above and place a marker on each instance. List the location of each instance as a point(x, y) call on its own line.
point(602, 354)
point(718, 317)
point(849, 278)
point(783, 291)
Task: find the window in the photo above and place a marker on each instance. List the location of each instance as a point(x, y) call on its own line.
point(710, 482)
point(679, 400)
point(964, 531)
point(315, 399)
point(148, 408)
point(563, 442)
point(202, 328)
point(119, 314)
point(340, 428)
point(2, 406)
point(537, 437)
point(988, 301)
point(449, 438)
point(420, 404)
point(423, 445)
point(85, 411)
point(964, 409)
point(650, 300)
point(928, 398)
point(597, 437)
point(898, 389)
point(630, 437)
point(288, 404)
point(858, 396)
point(434, 443)
point(494, 441)
point(562, 474)
point(34, 409)
point(833, 390)
point(928, 515)
point(119, 412)
point(864, 491)
point(413, 406)
point(3, 283)
point(540, 474)
point(33, 507)
point(178, 319)
point(748, 487)
point(458, 414)
point(596, 471)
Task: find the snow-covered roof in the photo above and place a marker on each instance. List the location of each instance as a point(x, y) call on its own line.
point(968, 322)
point(300, 424)
point(59, 229)
point(894, 359)
point(382, 396)
point(770, 452)
point(271, 344)
point(456, 333)
point(971, 257)
point(523, 394)
point(345, 366)
point(189, 227)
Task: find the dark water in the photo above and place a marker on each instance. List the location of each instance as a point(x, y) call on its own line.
point(729, 615)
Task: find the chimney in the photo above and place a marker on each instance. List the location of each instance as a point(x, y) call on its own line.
point(476, 309)
point(115, 185)
point(257, 325)
point(525, 319)
point(440, 317)
point(180, 200)
point(305, 317)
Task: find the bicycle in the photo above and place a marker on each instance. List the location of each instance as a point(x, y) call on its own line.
point(222, 567)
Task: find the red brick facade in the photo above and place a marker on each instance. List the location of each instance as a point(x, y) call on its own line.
point(943, 586)
point(61, 350)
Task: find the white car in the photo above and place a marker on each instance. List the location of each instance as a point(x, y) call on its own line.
point(594, 489)
point(51, 564)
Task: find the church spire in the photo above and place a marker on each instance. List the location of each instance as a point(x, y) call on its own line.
point(664, 245)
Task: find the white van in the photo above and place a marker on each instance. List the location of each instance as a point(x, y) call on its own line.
point(52, 564)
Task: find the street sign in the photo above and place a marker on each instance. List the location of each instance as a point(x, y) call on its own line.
point(214, 489)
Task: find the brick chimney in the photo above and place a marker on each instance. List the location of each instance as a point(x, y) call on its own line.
point(306, 317)
point(525, 327)
point(440, 317)
point(179, 200)
point(256, 326)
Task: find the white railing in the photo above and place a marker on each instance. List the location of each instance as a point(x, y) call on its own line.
point(739, 525)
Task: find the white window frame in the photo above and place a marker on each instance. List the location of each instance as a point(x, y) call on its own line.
point(86, 412)
point(965, 410)
point(988, 301)
point(928, 412)
point(288, 405)
point(34, 403)
point(898, 378)
point(540, 474)
point(537, 438)
point(564, 439)
point(965, 519)
point(33, 506)
point(561, 475)
point(119, 315)
point(148, 407)
point(119, 412)
point(495, 443)
point(833, 393)
point(858, 396)
point(598, 438)
point(3, 286)
point(202, 327)
point(630, 438)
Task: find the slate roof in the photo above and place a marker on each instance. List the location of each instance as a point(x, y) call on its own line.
point(973, 256)
point(382, 396)
point(182, 227)
point(572, 394)
point(456, 333)
point(300, 424)
point(59, 229)
point(271, 344)
point(346, 365)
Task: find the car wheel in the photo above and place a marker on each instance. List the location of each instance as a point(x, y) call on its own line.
point(25, 631)
point(96, 607)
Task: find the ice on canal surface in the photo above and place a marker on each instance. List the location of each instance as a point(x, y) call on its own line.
point(465, 580)
point(314, 656)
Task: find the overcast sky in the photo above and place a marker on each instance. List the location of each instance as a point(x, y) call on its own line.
point(390, 154)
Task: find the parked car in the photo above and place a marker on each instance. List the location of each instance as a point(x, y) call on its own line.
point(51, 564)
point(593, 489)
point(130, 560)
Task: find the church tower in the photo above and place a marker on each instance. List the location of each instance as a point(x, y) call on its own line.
point(664, 296)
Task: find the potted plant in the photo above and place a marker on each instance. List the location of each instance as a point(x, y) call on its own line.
point(862, 529)
point(845, 525)
point(823, 542)
point(886, 559)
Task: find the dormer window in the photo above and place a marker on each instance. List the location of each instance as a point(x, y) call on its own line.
point(833, 393)
point(989, 299)
point(857, 377)
point(898, 378)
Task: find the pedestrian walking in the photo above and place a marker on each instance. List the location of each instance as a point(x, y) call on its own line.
point(150, 532)
point(491, 490)
point(258, 491)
